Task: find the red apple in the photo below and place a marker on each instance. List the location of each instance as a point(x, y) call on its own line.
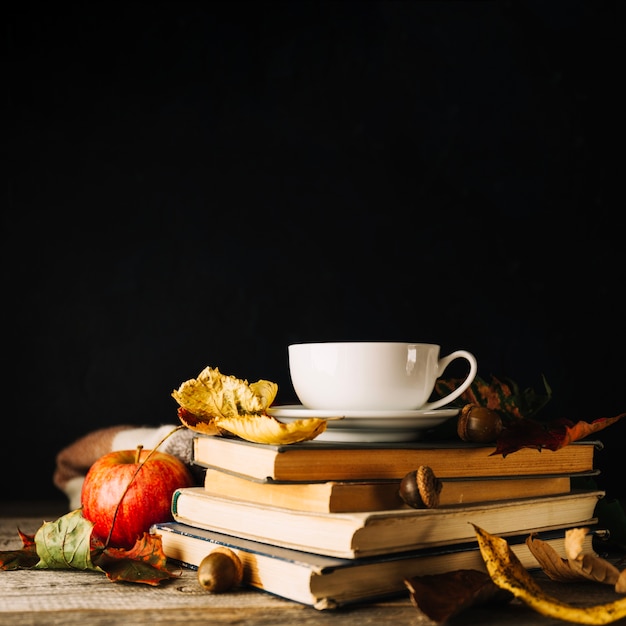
point(147, 501)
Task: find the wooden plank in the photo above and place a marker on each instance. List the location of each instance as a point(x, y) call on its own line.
point(68, 598)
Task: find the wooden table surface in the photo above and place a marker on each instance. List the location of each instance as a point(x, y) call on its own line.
point(65, 598)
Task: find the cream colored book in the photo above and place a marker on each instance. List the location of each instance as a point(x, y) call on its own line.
point(349, 496)
point(326, 582)
point(361, 534)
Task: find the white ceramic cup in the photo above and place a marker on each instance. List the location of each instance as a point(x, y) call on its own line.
point(372, 375)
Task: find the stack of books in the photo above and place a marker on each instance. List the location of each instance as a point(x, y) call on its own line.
point(323, 523)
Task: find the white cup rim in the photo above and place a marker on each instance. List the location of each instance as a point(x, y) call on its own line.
point(370, 342)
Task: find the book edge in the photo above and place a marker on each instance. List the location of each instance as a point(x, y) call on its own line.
point(362, 516)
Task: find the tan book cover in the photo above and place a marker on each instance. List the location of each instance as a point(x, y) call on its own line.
point(326, 582)
point(319, 461)
point(360, 534)
point(348, 496)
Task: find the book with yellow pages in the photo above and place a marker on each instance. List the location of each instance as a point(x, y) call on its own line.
point(370, 533)
point(348, 496)
point(327, 583)
point(311, 461)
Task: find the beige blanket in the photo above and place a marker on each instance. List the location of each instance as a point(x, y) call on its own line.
point(73, 462)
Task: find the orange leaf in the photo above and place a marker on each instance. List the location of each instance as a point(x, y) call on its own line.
point(525, 433)
point(583, 429)
point(144, 563)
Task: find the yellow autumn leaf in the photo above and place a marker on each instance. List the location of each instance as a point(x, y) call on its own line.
point(216, 404)
point(265, 392)
point(507, 572)
point(213, 394)
point(267, 429)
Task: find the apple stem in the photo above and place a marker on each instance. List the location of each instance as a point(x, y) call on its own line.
point(137, 455)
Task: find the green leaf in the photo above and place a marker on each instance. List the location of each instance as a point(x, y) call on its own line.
point(68, 543)
point(65, 543)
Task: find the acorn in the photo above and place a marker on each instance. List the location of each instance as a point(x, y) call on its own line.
point(220, 570)
point(420, 488)
point(478, 424)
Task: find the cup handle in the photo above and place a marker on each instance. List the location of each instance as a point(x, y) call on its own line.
point(443, 363)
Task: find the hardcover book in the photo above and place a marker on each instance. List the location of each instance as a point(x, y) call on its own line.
point(327, 583)
point(361, 534)
point(349, 496)
point(319, 461)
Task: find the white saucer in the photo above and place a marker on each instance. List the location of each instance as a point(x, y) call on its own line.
point(368, 435)
point(366, 426)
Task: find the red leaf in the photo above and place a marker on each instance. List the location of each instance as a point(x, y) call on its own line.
point(144, 563)
point(527, 433)
point(28, 541)
point(442, 596)
point(25, 557)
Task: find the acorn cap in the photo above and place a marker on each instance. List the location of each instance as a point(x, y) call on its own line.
point(429, 486)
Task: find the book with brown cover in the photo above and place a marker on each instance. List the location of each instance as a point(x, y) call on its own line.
point(378, 495)
point(326, 582)
point(369, 533)
point(319, 461)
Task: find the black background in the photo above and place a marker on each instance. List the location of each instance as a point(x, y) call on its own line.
point(203, 183)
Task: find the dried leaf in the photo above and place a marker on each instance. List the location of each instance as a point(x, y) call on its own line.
point(144, 563)
point(554, 566)
point(26, 556)
point(517, 408)
point(68, 543)
point(579, 430)
point(574, 539)
point(552, 436)
point(265, 391)
point(65, 543)
point(197, 424)
point(578, 566)
point(215, 395)
point(441, 596)
point(587, 566)
point(502, 396)
point(267, 429)
point(507, 572)
point(215, 404)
